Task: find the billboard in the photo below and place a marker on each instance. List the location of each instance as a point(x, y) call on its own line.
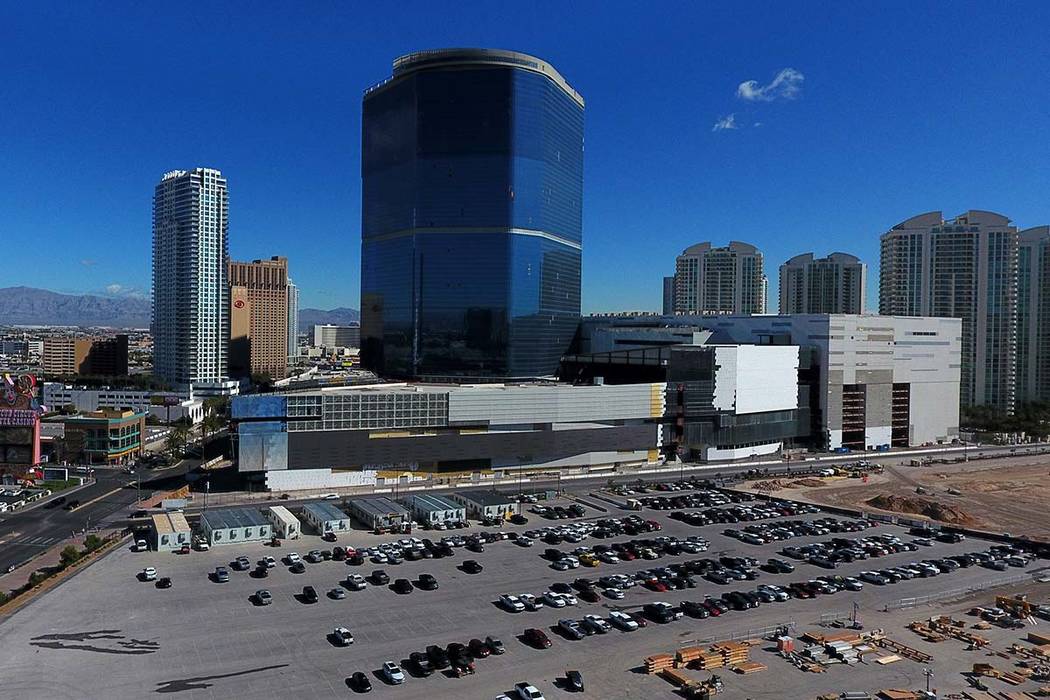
point(20, 411)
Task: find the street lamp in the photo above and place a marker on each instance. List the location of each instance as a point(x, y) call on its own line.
point(928, 672)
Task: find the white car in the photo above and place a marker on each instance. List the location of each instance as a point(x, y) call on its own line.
point(530, 601)
point(511, 603)
point(524, 542)
point(356, 582)
point(393, 673)
point(380, 558)
point(623, 621)
point(554, 599)
point(149, 574)
point(561, 565)
point(528, 692)
point(573, 562)
point(331, 496)
point(569, 599)
point(140, 546)
point(614, 593)
point(343, 636)
point(270, 562)
point(293, 558)
point(596, 623)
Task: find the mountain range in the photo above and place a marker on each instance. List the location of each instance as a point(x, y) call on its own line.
point(27, 306)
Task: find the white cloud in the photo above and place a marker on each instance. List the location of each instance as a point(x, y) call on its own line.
point(726, 122)
point(114, 288)
point(88, 262)
point(787, 85)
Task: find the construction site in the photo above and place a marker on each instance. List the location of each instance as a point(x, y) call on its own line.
point(954, 652)
point(1003, 494)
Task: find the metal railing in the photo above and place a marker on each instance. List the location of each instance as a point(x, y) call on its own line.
point(905, 603)
point(753, 633)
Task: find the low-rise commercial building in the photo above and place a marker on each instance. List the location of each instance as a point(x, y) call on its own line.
point(285, 525)
point(379, 513)
point(325, 517)
point(166, 407)
point(345, 436)
point(234, 526)
point(863, 381)
point(432, 509)
point(487, 504)
point(169, 532)
point(109, 436)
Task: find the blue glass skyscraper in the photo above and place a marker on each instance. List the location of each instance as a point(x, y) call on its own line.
point(472, 211)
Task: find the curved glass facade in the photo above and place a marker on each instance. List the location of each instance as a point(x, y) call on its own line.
point(471, 221)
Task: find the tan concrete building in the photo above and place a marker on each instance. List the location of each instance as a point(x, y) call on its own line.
point(66, 355)
point(261, 289)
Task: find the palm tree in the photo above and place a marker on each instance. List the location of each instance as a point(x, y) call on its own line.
point(177, 439)
point(210, 424)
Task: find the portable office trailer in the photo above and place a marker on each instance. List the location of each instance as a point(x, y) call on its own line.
point(169, 532)
point(427, 508)
point(235, 525)
point(379, 513)
point(487, 504)
point(324, 517)
point(285, 525)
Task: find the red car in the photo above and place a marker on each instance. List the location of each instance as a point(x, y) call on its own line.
point(654, 585)
point(478, 648)
point(537, 638)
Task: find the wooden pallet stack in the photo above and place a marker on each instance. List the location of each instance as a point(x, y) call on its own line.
point(709, 659)
point(686, 656)
point(657, 663)
point(733, 653)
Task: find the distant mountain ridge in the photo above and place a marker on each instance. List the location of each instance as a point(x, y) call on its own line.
point(28, 306)
point(341, 316)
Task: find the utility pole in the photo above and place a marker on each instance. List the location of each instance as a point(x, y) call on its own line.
point(928, 672)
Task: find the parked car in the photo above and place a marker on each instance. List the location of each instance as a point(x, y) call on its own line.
point(342, 636)
point(164, 582)
point(393, 673)
point(537, 638)
point(403, 586)
point(495, 645)
point(359, 682)
point(574, 681)
point(263, 597)
point(149, 574)
point(526, 691)
point(309, 594)
point(221, 574)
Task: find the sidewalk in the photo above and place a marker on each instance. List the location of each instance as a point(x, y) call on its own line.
point(51, 557)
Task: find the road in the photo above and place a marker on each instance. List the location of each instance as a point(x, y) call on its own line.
point(26, 533)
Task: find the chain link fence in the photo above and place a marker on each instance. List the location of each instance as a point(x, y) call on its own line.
point(752, 633)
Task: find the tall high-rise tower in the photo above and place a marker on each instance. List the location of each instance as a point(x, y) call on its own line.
point(832, 285)
point(293, 322)
point(472, 210)
point(726, 280)
point(190, 287)
point(965, 268)
point(1033, 315)
point(265, 284)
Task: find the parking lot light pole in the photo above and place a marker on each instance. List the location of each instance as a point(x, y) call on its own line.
point(928, 672)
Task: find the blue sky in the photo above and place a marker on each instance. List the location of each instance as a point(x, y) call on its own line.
point(892, 109)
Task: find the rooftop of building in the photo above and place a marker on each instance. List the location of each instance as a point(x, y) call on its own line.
point(168, 523)
point(429, 501)
point(228, 518)
point(283, 514)
point(486, 498)
point(378, 505)
point(458, 57)
point(110, 415)
point(324, 511)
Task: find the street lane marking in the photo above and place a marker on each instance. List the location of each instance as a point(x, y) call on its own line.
point(93, 500)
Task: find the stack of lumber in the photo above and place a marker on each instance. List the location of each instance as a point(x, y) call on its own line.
point(687, 655)
point(733, 653)
point(676, 678)
point(749, 667)
point(658, 662)
point(709, 659)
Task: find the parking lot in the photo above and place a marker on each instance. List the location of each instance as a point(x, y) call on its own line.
point(109, 634)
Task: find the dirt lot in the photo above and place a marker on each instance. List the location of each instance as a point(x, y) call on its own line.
point(1002, 495)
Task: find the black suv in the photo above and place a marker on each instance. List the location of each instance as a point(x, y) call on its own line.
point(438, 657)
point(402, 585)
point(309, 594)
point(427, 582)
point(380, 578)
